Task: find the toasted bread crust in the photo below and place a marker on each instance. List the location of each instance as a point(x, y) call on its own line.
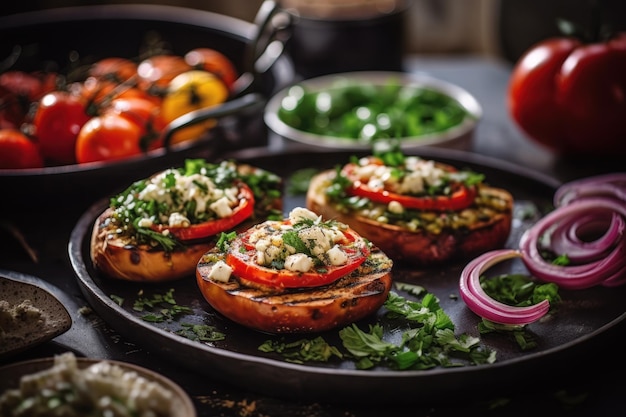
point(115, 258)
point(345, 301)
point(420, 246)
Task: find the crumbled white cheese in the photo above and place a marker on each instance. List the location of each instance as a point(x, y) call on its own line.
point(221, 207)
point(412, 183)
point(196, 188)
point(337, 256)
point(220, 271)
point(298, 262)
point(145, 222)
point(178, 219)
point(395, 207)
point(316, 239)
point(320, 238)
point(301, 213)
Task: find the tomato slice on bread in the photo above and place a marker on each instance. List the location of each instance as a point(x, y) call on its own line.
point(243, 261)
point(212, 227)
point(422, 185)
point(298, 252)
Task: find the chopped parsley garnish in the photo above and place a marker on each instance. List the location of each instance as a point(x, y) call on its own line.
point(159, 307)
point(152, 201)
point(517, 290)
point(428, 341)
point(200, 332)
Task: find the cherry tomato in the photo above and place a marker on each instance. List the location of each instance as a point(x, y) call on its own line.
point(99, 92)
point(241, 258)
point(243, 211)
point(24, 84)
point(18, 151)
point(213, 61)
point(155, 73)
point(18, 90)
point(143, 112)
point(189, 91)
point(115, 69)
point(108, 137)
point(57, 121)
point(570, 96)
point(13, 109)
point(462, 196)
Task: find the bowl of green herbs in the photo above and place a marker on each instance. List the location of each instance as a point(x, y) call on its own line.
point(351, 111)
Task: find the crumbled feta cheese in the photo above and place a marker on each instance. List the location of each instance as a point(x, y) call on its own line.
point(298, 262)
point(220, 271)
point(221, 207)
point(300, 213)
point(178, 219)
point(395, 207)
point(316, 239)
point(145, 222)
point(412, 183)
point(262, 244)
point(337, 256)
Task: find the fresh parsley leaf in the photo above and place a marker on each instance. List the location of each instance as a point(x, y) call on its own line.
point(302, 350)
point(160, 307)
point(200, 332)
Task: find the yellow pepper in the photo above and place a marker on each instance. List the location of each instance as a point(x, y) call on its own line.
point(189, 91)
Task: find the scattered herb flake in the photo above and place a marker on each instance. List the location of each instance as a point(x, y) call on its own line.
point(200, 332)
point(160, 307)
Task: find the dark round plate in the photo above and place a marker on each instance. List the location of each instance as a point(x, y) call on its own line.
point(237, 360)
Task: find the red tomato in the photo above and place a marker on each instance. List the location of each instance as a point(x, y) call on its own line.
point(18, 151)
point(108, 137)
point(243, 211)
point(461, 197)
point(57, 121)
point(144, 112)
point(210, 60)
point(155, 73)
point(571, 96)
point(18, 89)
point(13, 109)
point(114, 69)
point(23, 84)
point(241, 258)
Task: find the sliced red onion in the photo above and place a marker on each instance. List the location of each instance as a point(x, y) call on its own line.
point(609, 185)
point(585, 275)
point(572, 236)
point(617, 279)
point(483, 305)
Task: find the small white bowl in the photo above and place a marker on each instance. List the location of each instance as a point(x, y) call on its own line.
point(12, 374)
point(459, 136)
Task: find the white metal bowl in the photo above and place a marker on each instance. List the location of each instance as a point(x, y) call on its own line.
point(458, 137)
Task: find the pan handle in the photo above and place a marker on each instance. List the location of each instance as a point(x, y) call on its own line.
point(271, 32)
point(227, 108)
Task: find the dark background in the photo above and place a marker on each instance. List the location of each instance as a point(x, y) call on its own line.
point(498, 28)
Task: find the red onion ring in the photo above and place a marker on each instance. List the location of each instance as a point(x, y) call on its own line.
point(588, 225)
point(566, 237)
point(587, 274)
point(608, 185)
point(483, 305)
